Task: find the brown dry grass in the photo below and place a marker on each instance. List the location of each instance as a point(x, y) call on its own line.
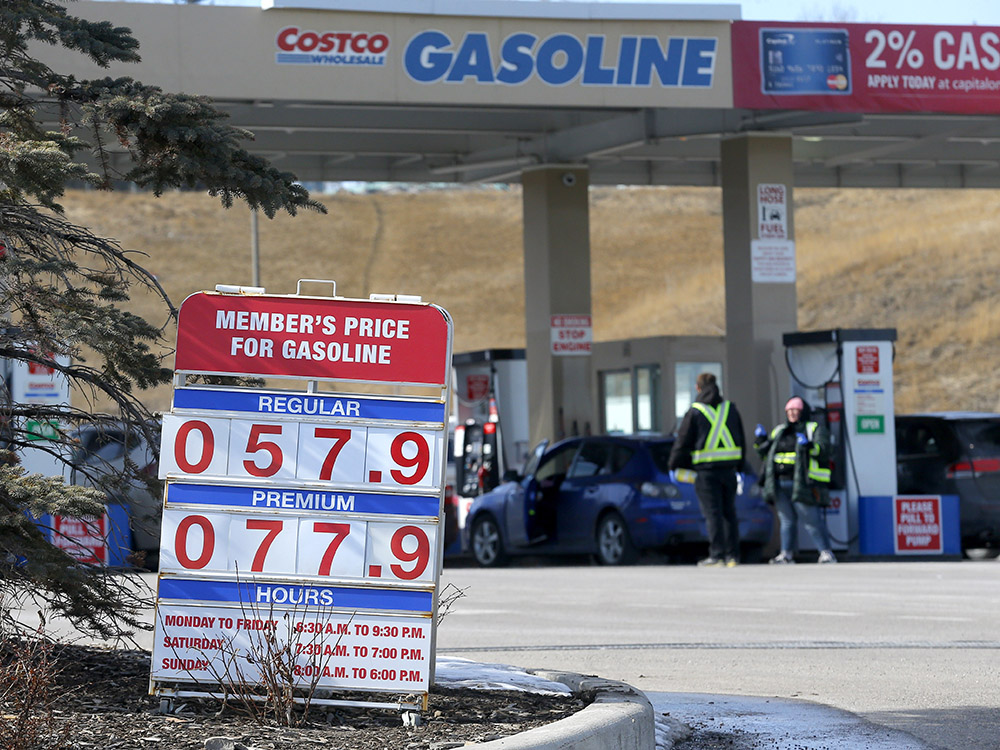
point(922, 262)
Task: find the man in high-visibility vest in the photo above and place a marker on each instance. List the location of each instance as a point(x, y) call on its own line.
point(710, 441)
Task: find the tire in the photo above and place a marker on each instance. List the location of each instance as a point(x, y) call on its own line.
point(614, 545)
point(487, 543)
point(981, 553)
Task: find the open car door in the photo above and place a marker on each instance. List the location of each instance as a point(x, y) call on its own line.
point(522, 500)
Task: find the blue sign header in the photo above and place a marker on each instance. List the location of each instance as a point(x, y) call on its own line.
point(303, 500)
point(303, 404)
point(286, 596)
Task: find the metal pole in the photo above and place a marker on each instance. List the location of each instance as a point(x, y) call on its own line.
point(254, 248)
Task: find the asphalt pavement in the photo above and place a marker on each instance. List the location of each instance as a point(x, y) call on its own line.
point(855, 655)
point(907, 646)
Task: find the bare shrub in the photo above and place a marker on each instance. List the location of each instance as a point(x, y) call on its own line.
point(262, 679)
point(28, 692)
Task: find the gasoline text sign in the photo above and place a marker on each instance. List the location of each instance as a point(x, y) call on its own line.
point(303, 523)
point(917, 524)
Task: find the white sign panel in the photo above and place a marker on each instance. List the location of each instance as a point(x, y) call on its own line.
point(772, 261)
point(308, 520)
point(869, 415)
point(772, 211)
point(338, 547)
point(572, 335)
point(331, 650)
point(200, 447)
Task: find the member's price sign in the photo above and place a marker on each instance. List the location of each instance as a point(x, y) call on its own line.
point(311, 517)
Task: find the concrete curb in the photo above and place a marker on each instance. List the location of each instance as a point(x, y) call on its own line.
point(620, 718)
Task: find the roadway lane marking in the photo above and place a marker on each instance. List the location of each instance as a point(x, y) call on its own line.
point(934, 618)
point(824, 613)
point(747, 645)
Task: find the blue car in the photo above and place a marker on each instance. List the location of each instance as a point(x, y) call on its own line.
point(608, 496)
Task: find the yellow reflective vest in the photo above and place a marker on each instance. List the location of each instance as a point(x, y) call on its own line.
point(719, 445)
point(814, 471)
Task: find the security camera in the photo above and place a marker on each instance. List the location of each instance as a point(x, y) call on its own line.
point(569, 179)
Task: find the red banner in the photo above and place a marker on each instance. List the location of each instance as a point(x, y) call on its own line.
point(313, 338)
point(866, 67)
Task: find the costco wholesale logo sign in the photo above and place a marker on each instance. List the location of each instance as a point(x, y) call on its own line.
point(305, 47)
point(599, 60)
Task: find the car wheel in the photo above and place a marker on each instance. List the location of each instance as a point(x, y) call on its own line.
point(614, 546)
point(981, 553)
point(487, 544)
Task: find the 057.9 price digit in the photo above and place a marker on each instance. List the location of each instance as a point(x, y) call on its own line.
point(207, 446)
point(256, 445)
point(194, 446)
point(419, 462)
point(269, 451)
point(404, 459)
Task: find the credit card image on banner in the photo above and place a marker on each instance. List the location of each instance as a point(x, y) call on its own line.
point(805, 61)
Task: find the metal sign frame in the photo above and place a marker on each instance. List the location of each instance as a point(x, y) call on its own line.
point(304, 522)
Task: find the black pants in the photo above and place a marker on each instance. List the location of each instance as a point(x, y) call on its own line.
point(716, 490)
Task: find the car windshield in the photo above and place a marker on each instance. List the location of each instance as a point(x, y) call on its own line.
point(981, 438)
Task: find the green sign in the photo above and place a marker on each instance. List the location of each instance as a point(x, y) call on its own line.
point(47, 429)
point(871, 424)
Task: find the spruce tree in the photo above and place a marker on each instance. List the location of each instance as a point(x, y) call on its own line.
point(63, 290)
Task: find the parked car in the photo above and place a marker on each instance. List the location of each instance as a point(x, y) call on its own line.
point(608, 496)
point(122, 463)
point(955, 453)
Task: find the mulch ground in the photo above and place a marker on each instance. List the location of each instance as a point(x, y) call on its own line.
point(100, 699)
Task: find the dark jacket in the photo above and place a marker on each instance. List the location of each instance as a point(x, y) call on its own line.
point(783, 439)
point(694, 431)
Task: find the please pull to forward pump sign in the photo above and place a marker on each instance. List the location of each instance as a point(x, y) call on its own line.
point(917, 522)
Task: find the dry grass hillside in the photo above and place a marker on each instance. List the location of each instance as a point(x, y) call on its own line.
point(923, 262)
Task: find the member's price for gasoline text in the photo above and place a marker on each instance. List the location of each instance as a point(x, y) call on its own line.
point(217, 542)
point(325, 452)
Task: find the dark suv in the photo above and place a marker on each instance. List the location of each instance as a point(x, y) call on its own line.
point(955, 453)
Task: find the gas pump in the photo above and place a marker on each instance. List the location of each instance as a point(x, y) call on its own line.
point(492, 428)
point(845, 375)
point(477, 469)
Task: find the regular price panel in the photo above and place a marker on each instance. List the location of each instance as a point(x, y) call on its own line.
point(210, 543)
point(198, 447)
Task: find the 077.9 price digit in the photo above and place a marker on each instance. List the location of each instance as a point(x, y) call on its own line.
point(353, 549)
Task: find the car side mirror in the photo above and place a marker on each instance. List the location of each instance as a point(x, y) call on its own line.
point(511, 475)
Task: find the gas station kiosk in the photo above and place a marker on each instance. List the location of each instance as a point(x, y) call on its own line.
point(846, 377)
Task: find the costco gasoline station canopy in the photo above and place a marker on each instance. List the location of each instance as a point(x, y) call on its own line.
point(560, 96)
